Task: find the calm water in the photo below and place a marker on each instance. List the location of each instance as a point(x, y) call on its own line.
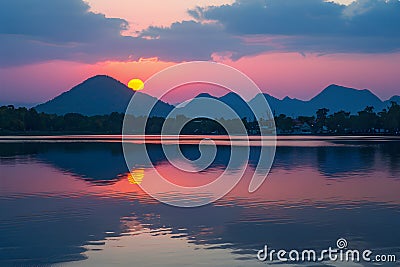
point(72, 202)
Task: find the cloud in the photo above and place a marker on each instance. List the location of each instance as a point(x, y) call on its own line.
point(278, 17)
point(190, 40)
point(40, 30)
point(306, 17)
point(34, 31)
point(56, 21)
point(314, 25)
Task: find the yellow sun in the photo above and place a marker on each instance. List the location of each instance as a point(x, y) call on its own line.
point(136, 176)
point(136, 84)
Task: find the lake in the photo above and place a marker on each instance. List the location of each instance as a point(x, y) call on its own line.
point(71, 201)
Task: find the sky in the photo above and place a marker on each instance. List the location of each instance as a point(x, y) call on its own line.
point(288, 47)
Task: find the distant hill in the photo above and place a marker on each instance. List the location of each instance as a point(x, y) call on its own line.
point(395, 98)
point(238, 105)
point(196, 107)
point(337, 98)
point(99, 95)
point(103, 95)
point(333, 97)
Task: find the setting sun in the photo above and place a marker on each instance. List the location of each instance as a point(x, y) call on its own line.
point(136, 84)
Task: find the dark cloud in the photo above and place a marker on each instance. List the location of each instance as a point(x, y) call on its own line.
point(40, 30)
point(307, 17)
point(285, 17)
point(314, 25)
point(190, 40)
point(21, 50)
point(56, 21)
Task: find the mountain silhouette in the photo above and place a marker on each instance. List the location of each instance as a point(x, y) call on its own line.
point(238, 105)
point(288, 106)
point(216, 109)
point(334, 97)
point(100, 95)
point(337, 98)
point(395, 98)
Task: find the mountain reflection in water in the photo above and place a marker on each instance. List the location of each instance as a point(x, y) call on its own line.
point(75, 202)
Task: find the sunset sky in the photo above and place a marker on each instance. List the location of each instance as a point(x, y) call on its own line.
point(288, 47)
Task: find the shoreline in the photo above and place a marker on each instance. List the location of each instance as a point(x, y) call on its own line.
point(4, 135)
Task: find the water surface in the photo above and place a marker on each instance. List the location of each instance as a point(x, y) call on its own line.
point(71, 201)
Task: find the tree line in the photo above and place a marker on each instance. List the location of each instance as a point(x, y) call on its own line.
point(367, 121)
point(23, 120)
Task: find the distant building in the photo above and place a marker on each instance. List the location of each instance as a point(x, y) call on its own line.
point(304, 128)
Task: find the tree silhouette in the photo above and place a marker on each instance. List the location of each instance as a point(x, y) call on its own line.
point(29, 121)
point(321, 118)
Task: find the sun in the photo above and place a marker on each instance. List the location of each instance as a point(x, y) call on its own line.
point(136, 84)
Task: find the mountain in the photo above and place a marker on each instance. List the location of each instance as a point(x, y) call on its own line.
point(238, 105)
point(288, 106)
point(336, 98)
point(388, 103)
point(216, 109)
point(333, 97)
point(395, 98)
point(101, 95)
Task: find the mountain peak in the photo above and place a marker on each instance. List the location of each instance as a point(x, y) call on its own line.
point(103, 80)
point(206, 95)
point(231, 96)
point(102, 76)
point(97, 95)
point(336, 98)
point(395, 98)
point(335, 90)
point(334, 86)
